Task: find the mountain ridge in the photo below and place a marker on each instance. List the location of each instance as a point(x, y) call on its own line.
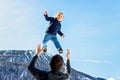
point(14, 63)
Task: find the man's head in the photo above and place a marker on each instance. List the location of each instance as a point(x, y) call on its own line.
point(59, 16)
point(56, 63)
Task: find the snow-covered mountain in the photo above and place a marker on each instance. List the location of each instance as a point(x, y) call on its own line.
point(14, 63)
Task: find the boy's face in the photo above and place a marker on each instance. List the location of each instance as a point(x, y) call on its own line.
point(60, 17)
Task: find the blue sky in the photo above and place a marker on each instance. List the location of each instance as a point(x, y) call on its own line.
point(91, 28)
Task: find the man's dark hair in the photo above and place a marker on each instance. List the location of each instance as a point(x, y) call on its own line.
point(56, 63)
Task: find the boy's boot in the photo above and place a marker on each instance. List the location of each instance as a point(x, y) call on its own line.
point(60, 50)
point(45, 49)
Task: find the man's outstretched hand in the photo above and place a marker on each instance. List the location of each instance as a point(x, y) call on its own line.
point(68, 54)
point(38, 50)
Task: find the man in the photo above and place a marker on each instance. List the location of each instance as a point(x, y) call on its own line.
point(56, 64)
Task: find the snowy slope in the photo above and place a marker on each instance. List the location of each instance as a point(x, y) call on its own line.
point(14, 63)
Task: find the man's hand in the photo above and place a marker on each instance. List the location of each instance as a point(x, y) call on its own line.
point(68, 54)
point(45, 13)
point(38, 50)
point(63, 36)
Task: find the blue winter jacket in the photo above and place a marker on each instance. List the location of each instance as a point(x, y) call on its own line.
point(54, 26)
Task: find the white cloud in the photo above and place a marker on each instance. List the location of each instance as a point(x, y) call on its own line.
point(96, 61)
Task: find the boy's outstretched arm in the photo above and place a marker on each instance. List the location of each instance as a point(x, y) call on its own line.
point(46, 16)
point(45, 13)
point(60, 33)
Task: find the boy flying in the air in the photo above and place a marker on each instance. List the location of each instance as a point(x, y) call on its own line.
point(53, 29)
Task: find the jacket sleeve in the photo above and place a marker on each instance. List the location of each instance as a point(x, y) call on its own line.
point(68, 67)
point(59, 31)
point(34, 71)
point(48, 18)
point(68, 70)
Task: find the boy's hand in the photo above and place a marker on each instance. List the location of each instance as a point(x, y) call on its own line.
point(38, 49)
point(63, 36)
point(68, 54)
point(45, 13)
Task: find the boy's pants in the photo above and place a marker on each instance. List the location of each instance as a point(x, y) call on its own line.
point(53, 38)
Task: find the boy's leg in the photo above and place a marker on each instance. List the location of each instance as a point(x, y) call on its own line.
point(45, 40)
point(56, 43)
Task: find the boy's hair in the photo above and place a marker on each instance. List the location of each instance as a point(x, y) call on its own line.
point(58, 14)
point(56, 63)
